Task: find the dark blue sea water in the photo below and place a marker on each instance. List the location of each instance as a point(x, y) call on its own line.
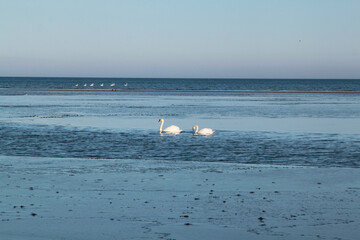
point(182, 84)
point(257, 121)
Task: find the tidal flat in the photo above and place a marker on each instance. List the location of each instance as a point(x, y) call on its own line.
point(47, 198)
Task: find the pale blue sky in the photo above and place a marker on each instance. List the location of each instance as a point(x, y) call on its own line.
point(168, 38)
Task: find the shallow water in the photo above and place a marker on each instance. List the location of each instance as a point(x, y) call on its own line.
point(227, 146)
point(314, 129)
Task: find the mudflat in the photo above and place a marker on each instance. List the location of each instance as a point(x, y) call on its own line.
point(66, 198)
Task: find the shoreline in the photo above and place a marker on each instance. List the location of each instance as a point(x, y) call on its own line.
point(147, 199)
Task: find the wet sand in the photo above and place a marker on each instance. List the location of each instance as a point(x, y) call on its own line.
point(48, 198)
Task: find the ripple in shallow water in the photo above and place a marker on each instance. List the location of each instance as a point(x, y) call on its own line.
point(237, 146)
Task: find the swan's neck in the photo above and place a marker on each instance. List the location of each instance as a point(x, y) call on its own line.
point(196, 130)
point(161, 125)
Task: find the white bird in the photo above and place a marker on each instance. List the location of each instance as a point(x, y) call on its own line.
point(101, 85)
point(113, 84)
point(91, 85)
point(85, 85)
point(76, 85)
point(204, 131)
point(126, 84)
point(172, 129)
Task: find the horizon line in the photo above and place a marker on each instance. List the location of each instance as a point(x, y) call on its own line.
point(248, 78)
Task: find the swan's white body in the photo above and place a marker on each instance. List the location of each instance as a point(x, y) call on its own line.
point(204, 131)
point(125, 84)
point(85, 85)
point(91, 85)
point(101, 85)
point(172, 129)
point(77, 85)
point(113, 84)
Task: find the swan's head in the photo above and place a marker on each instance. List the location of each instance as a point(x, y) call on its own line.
point(194, 127)
point(161, 120)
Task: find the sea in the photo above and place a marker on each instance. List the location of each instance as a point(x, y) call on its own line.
point(293, 122)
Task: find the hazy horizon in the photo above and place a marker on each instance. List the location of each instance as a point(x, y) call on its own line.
point(169, 39)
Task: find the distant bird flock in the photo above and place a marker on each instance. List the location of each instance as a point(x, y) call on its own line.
point(101, 85)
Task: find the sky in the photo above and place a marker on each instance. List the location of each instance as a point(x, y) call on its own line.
point(170, 38)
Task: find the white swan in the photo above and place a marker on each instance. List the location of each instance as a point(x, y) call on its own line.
point(204, 131)
point(112, 85)
point(101, 85)
point(76, 85)
point(126, 84)
point(91, 85)
point(172, 129)
point(85, 85)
